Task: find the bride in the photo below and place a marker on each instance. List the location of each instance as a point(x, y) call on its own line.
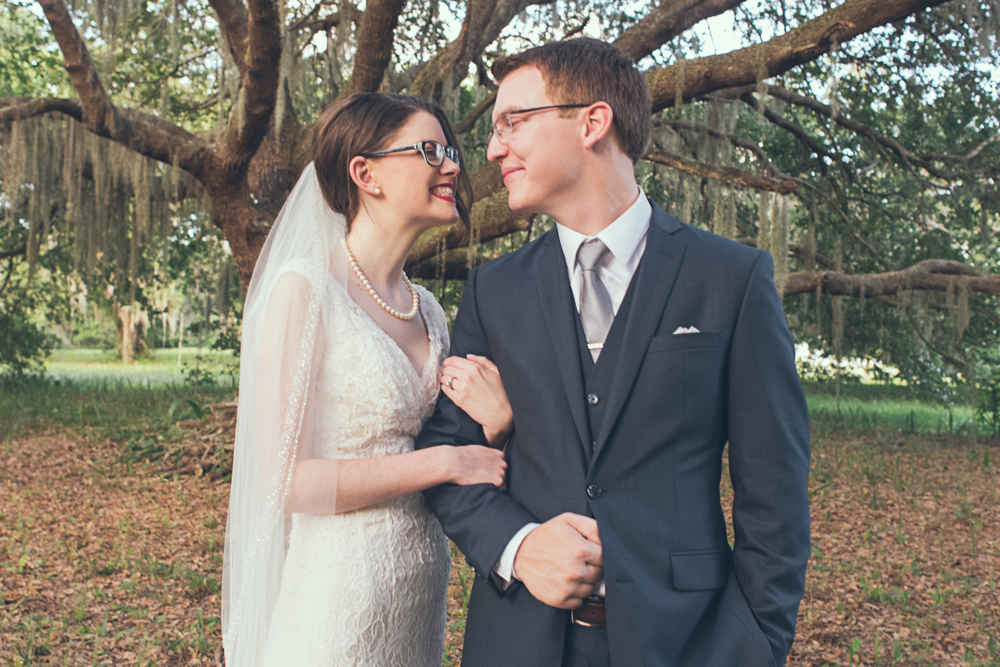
point(331, 556)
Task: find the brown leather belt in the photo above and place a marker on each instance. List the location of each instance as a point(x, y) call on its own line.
point(590, 614)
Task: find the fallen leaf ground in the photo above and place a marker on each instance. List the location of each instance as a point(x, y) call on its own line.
point(104, 562)
point(906, 549)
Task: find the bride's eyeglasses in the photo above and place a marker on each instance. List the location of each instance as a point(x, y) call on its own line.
point(432, 152)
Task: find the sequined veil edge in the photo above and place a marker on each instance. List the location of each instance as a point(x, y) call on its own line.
point(283, 323)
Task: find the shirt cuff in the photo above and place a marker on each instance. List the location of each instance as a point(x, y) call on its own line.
point(504, 569)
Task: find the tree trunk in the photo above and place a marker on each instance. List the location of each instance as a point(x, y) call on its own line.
point(125, 316)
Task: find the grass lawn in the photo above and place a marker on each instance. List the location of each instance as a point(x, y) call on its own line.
point(158, 368)
point(862, 408)
point(908, 416)
point(859, 408)
point(113, 504)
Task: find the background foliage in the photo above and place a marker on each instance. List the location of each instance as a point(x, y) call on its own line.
point(887, 141)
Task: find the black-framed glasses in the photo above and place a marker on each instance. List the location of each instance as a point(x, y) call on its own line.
point(504, 123)
point(432, 152)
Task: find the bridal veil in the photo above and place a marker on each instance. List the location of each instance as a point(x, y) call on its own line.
point(284, 319)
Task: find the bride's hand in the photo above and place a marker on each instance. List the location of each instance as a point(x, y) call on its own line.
point(475, 464)
point(474, 384)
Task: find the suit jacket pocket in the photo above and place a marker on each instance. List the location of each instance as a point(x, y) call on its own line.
point(700, 570)
point(671, 341)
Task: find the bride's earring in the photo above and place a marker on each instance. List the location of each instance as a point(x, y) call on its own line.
point(378, 191)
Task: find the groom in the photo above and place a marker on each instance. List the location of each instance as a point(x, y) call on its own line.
point(633, 347)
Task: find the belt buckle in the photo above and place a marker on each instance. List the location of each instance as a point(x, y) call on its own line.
point(577, 621)
point(592, 600)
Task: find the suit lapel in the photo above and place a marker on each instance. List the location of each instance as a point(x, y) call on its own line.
point(655, 278)
point(557, 306)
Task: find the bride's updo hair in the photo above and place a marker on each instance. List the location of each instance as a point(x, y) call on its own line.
point(360, 124)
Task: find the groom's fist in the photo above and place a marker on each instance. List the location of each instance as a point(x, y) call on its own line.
point(560, 561)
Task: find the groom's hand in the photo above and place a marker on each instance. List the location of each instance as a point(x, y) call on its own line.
point(560, 561)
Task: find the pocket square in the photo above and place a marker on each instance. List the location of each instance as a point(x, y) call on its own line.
point(685, 330)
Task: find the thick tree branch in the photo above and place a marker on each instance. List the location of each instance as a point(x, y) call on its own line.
point(780, 54)
point(98, 112)
point(467, 123)
point(234, 21)
point(484, 21)
point(937, 275)
point(487, 181)
point(22, 108)
point(504, 13)
point(728, 174)
point(251, 116)
point(454, 265)
point(666, 21)
point(468, 45)
point(374, 46)
point(140, 132)
point(154, 135)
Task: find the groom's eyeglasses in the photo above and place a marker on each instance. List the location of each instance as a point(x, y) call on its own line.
point(432, 152)
point(506, 121)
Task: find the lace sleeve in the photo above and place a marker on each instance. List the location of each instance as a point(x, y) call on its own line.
point(291, 350)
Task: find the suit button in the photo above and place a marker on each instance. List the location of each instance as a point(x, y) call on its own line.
point(592, 399)
point(594, 491)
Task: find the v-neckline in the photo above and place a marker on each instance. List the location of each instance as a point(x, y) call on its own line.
point(421, 374)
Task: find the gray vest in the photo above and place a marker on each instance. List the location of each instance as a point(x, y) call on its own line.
point(597, 377)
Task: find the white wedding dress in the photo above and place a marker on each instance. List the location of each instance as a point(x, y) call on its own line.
point(367, 587)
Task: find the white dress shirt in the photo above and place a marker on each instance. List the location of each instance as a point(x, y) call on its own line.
point(626, 239)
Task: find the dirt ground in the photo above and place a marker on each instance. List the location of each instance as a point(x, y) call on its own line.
point(104, 562)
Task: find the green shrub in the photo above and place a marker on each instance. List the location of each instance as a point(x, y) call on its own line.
point(23, 346)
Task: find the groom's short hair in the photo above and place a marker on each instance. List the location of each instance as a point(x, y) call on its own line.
point(585, 70)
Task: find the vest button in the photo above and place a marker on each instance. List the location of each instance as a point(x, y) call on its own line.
point(594, 491)
point(592, 399)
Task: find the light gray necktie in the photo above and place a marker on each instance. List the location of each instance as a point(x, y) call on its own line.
point(596, 311)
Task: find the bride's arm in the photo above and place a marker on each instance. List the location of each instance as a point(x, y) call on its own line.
point(473, 384)
point(288, 367)
point(364, 482)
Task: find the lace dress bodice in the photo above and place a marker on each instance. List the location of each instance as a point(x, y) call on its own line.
point(366, 587)
point(378, 400)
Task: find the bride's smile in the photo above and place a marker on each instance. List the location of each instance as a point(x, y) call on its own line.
point(416, 185)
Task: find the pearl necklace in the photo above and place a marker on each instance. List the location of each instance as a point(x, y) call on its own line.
point(371, 290)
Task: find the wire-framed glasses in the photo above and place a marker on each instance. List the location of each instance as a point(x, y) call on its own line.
point(432, 152)
point(504, 123)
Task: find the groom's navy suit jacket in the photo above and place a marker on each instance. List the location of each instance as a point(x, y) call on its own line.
point(677, 593)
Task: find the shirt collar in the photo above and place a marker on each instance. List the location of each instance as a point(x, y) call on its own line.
point(622, 236)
